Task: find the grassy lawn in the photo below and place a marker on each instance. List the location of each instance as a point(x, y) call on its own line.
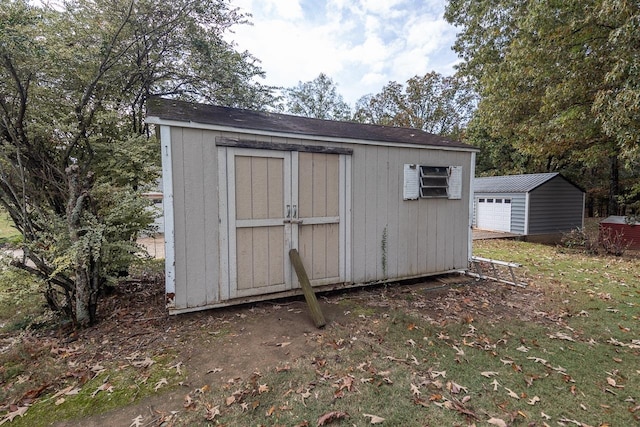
point(8, 232)
point(564, 351)
point(567, 353)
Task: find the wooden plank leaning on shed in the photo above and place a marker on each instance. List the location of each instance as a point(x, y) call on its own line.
point(309, 295)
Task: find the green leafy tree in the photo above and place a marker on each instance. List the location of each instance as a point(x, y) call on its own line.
point(74, 150)
point(318, 98)
point(540, 69)
point(434, 103)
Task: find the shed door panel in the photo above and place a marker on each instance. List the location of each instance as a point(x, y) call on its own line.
point(494, 214)
point(258, 235)
point(278, 201)
point(319, 216)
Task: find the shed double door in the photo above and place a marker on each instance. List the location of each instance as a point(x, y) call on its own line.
point(279, 200)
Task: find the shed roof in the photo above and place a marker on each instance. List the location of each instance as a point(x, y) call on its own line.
point(160, 110)
point(512, 183)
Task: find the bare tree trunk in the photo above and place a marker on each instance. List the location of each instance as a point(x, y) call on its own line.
point(614, 184)
point(78, 197)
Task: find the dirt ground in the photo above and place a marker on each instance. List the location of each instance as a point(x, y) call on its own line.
point(215, 346)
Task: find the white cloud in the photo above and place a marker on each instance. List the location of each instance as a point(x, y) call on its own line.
point(361, 45)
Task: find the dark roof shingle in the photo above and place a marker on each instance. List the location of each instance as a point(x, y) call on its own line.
point(168, 109)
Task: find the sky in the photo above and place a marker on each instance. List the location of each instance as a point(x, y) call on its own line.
point(361, 44)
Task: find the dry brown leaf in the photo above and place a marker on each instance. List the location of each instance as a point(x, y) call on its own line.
point(137, 421)
point(104, 387)
point(488, 374)
point(270, 411)
point(177, 367)
point(59, 401)
point(374, 419)
point(533, 400)
point(188, 401)
point(512, 393)
point(20, 411)
point(212, 413)
point(263, 388)
point(497, 422)
point(230, 400)
point(283, 344)
point(415, 390)
point(330, 417)
point(147, 362)
point(160, 383)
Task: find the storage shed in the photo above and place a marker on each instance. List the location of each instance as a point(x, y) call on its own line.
point(623, 229)
point(361, 203)
point(543, 204)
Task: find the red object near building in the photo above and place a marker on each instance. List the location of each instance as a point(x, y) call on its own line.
point(616, 225)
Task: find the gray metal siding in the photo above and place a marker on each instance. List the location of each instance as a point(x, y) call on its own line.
point(518, 213)
point(556, 206)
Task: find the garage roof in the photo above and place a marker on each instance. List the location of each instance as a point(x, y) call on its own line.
point(511, 183)
point(160, 110)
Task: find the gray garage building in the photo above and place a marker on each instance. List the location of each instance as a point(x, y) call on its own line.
point(361, 203)
point(543, 205)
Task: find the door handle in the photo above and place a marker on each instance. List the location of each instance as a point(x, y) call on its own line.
point(295, 211)
point(288, 215)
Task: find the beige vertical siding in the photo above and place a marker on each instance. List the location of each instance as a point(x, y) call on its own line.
point(423, 236)
point(196, 211)
point(390, 238)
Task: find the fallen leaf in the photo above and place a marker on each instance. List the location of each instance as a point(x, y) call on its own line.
point(436, 374)
point(104, 387)
point(263, 388)
point(137, 421)
point(488, 374)
point(330, 417)
point(283, 344)
point(497, 422)
point(147, 362)
point(212, 413)
point(202, 390)
point(60, 401)
point(178, 368)
point(495, 384)
point(512, 393)
point(270, 411)
point(374, 419)
point(523, 349)
point(533, 400)
point(415, 390)
point(160, 383)
point(20, 411)
point(188, 401)
point(230, 400)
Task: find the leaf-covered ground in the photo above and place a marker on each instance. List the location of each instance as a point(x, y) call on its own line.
point(447, 351)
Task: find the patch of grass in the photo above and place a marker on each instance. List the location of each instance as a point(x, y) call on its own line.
point(21, 300)
point(118, 386)
point(8, 233)
point(569, 357)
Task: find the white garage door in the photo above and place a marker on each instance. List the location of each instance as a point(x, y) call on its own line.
point(493, 214)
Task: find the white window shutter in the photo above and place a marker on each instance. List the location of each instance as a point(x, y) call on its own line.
point(455, 182)
point(411, 187)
